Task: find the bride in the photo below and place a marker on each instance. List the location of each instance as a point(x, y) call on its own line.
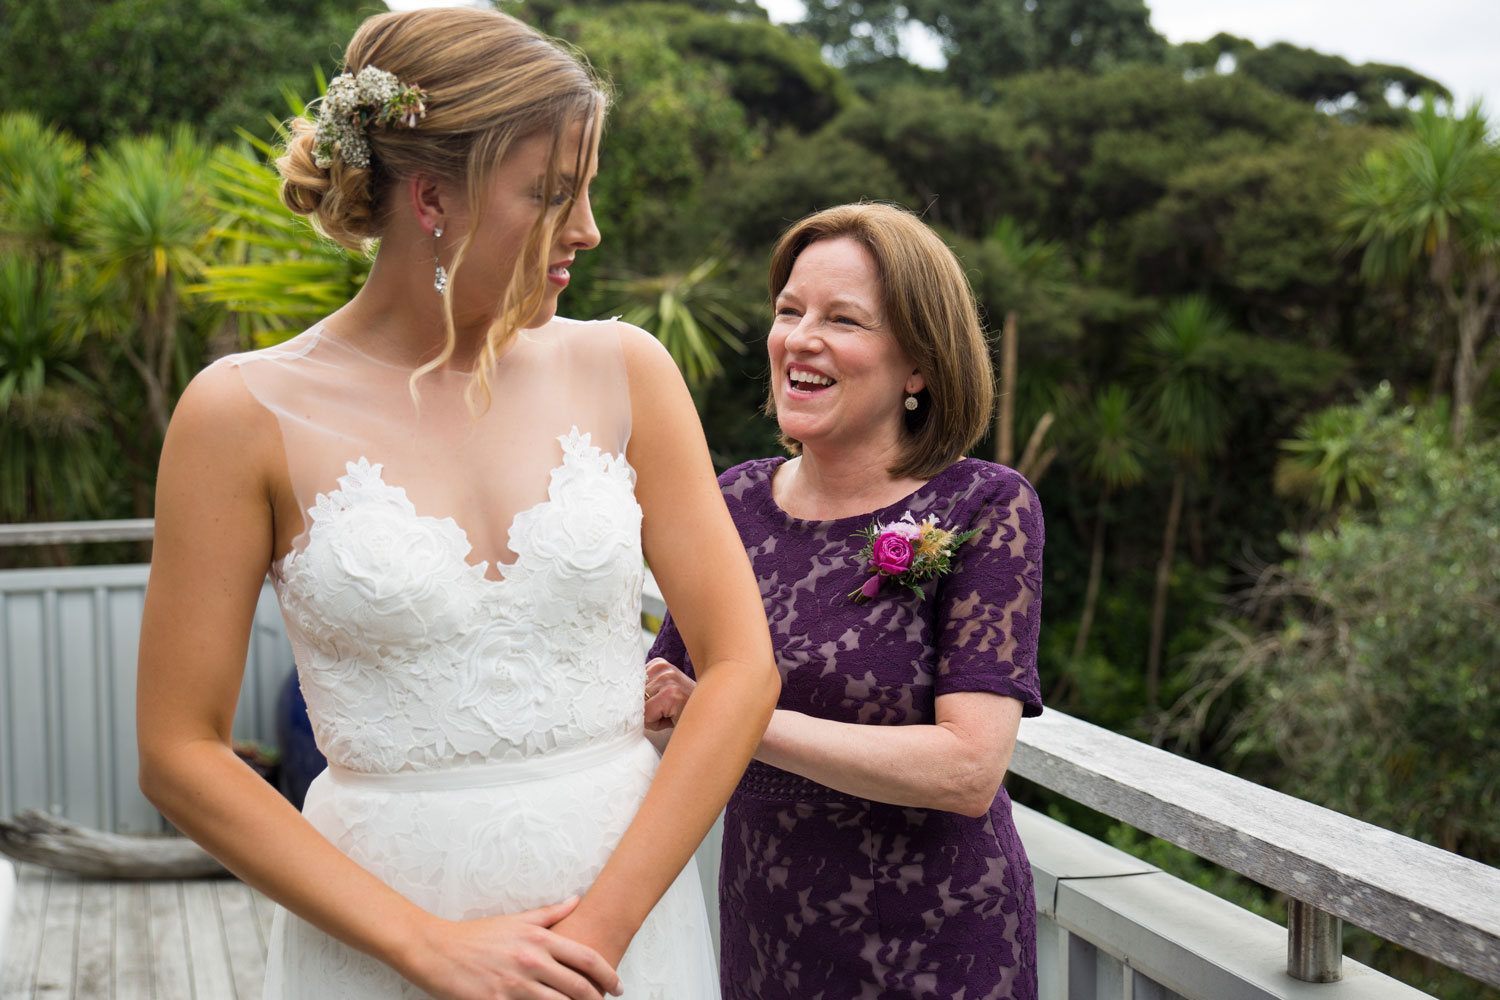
point(453, 490)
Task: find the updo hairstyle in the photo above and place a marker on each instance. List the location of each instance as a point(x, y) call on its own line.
point(491, 82)
point(930, 310)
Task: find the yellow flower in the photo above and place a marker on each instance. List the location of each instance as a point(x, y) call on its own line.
point(932, 541)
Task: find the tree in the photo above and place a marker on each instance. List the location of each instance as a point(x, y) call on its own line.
point(273, 269)
point(963, 161)
point(1431, 203)
point(53, 454)
point(41, 180)
point(753, 202)
point(987, 39)
point(673, 126)
point(1337, 455)
point(125, 67)
point(778, 78)
point(1180, 354)
point(1364, 663)
point(145, 227)
point(689, 312)
point(1113, 446)
point(1101, 148)
point(1358, 92)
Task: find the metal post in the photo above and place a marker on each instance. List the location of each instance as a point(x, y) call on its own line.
point(1314, 944)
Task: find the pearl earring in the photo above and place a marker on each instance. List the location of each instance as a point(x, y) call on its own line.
point(440, 275)
point(911, 402)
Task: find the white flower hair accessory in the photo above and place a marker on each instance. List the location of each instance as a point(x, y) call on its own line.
point(354, 103)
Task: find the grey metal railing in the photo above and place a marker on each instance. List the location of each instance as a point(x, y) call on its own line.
point(1333, 868)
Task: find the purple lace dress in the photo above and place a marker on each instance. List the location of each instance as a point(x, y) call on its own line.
point(827, 895)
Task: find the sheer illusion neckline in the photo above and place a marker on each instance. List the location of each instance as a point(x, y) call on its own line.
point(320, 333)
point(898, 506)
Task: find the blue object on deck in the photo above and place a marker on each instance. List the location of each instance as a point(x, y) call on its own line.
point(301, 761)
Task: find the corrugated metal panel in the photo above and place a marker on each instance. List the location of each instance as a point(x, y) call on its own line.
point(68, 642)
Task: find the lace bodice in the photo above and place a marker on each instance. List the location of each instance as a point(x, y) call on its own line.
point(466, 585)
point(412, 658)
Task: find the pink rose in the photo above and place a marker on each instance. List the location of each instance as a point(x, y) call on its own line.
point(892, 553)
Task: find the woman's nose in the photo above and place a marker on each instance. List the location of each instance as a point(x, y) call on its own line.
point(804, 337)
point(581, 233)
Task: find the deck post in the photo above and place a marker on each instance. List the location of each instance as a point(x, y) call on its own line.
point(1314, 943)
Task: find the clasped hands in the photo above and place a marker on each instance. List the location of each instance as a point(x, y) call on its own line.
point(667, 692)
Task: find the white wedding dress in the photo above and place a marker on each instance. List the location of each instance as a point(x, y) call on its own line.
point(482, 717)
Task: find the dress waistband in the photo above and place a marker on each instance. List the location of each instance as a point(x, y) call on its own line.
point(766, 783)
point(500, 772)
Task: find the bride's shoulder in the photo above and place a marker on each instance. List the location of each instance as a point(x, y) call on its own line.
point(219, 418)
point(223, 402)
point(642, 355)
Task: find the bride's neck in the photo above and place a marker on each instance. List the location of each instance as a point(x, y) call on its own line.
point(399, 318)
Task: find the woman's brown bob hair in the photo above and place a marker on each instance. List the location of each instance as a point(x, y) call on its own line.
point(930, 310)
point(491, 82)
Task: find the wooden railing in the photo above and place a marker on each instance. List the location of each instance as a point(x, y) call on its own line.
point(1332, 867)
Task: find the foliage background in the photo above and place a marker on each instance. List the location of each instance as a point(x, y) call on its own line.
point(1256, 310)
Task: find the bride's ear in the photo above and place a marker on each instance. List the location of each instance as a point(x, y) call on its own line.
point(430, 200)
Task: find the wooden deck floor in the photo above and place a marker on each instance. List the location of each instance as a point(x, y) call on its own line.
point(87, 939)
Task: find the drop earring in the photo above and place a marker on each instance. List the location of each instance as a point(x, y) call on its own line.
point(911, 402)
point(440, 274)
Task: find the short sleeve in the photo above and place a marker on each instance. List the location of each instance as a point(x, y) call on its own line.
point(669, 646)
point(990, 604)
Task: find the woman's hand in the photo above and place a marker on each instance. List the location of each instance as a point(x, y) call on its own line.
point(512, 957)
point(667, 692)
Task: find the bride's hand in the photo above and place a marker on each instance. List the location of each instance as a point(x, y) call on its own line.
point(511, 957)
point(667, 692)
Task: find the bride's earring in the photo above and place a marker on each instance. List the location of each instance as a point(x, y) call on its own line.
point(911, 402)
point(440, 275)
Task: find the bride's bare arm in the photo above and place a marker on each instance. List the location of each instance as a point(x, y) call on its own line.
point(696, 555)
point(217, 494)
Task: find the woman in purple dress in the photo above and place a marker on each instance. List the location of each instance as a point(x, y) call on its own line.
point(869, 850)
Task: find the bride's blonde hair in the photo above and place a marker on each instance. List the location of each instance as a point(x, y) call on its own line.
point(491, 81)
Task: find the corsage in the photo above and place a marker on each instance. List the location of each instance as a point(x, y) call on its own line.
point(908, 552)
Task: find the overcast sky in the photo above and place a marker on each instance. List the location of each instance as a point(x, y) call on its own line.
point(1456, 42)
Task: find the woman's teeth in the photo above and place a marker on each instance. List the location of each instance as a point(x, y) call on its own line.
point(808, 380)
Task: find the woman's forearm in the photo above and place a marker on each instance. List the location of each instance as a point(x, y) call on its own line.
point(710, 747)
point(943, 766)
point(213, 797)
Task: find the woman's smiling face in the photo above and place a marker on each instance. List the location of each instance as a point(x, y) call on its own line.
point(838, 377)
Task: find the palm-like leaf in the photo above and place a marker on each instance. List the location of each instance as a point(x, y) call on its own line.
point(690, 312)
point(41, 178)
point(1339, 452)
point(1181, 353)
point(1115, 440)
point(1042, 263)
point(1432, 201)
point(51, 454)
point(280, 274)
point(1431, 195)
point(147, 221)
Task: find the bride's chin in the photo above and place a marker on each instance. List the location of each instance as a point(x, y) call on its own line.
point(544, 315)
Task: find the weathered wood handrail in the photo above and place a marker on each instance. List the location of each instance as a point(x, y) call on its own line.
point(1421, 897)
point(67, 532)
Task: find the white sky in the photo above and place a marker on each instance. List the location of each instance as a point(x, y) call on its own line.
point(1456, 42)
